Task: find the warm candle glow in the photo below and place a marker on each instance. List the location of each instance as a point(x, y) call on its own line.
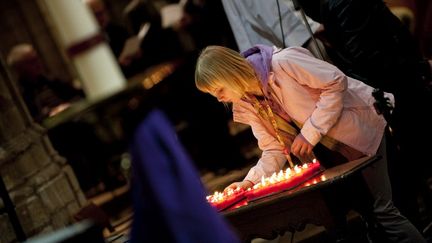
point(277, 182)
point(284, 180)
point(222, 200)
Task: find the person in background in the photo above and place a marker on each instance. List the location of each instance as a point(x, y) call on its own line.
point(44, 96)
point(297, 104)
point(207, 24)
point(77, 141)
point(366, 41)
point(116, 36)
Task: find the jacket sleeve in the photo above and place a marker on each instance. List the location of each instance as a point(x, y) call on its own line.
point(272, 157)
point(316, 74)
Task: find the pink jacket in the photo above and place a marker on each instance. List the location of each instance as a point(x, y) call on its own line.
point(318, 95)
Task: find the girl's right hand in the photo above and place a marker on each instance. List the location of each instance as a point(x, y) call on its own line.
point(242, 184)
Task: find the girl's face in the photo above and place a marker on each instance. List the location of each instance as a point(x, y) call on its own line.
point(226, 95)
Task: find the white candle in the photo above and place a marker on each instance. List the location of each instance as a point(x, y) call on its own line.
point(97, 66)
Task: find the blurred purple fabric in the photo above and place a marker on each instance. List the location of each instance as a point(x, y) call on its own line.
point(168, 196)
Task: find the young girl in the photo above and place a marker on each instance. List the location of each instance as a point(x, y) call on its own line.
point(297, 104)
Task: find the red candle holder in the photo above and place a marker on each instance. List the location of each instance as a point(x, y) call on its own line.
point(225, 199)
point(283, 180)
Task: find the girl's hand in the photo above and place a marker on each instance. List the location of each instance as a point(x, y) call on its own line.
point(242, 184)
point(301, 147)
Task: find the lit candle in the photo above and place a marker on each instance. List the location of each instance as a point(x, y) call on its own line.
point(222, 200)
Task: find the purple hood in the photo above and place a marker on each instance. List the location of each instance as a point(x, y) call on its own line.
point(260, 56)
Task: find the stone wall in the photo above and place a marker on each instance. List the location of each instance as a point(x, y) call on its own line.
point(41, 184)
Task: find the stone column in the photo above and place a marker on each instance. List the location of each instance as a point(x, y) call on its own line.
point(41, 184)
point(81, 37)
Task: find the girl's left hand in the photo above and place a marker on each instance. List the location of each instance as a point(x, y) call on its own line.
point(301, 147)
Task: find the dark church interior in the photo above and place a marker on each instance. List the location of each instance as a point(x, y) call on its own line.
point(106, 138)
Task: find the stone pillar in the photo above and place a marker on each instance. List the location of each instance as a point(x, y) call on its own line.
point(41, 184)
point(81, 37)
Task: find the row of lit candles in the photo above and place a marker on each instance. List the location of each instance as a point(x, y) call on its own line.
point(277, 182)
point(221, 196)
point(282, 176)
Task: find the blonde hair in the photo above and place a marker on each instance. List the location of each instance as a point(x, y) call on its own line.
point(220, 66)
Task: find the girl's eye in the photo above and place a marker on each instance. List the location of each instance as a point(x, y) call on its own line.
point(217, 91)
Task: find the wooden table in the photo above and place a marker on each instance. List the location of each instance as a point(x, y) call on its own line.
point(291, 210)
